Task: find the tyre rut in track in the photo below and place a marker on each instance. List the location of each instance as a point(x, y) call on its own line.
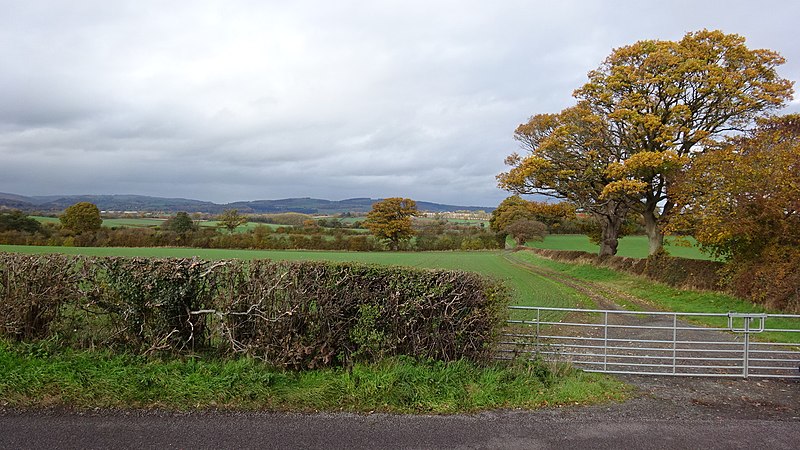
point(604, 297)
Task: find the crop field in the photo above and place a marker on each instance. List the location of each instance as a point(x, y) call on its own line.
point(132, 222)
point(528, 288)
point(240, 228)
point(45, 219)
point(630, 246)
point(123, 222)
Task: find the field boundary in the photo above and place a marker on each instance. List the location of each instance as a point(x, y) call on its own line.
point(653, 342)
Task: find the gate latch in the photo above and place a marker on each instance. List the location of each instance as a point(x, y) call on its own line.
point(746, 322)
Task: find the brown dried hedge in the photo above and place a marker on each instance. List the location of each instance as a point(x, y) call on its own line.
point(679, 272)
point(293, 314)
point(773, 280)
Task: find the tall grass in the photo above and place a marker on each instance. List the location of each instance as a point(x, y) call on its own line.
point(32, 376)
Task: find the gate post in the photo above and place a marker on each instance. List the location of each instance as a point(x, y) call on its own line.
point(746, 362)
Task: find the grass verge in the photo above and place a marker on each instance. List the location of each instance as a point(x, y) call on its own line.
point(31, 375)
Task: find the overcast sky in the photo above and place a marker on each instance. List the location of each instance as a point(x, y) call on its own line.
point(243, 100)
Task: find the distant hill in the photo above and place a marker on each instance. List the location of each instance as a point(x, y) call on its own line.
point(142, 203)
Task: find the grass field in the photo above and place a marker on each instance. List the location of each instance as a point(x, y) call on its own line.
point(240, 228)
point(44, 219)
point(132, 222)
point(126, 222)
point(528, 289)
point(153, 222)
point(630, 246)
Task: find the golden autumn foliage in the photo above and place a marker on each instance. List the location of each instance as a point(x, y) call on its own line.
point(744, 196)
point(390, 220)
point(82, 217)
point(644, 114)
point(741, 200)
point(569, 155)
point(516, 208)
point(664, 101)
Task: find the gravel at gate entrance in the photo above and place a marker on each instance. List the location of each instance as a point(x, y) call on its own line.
point(677, 397)
point(664, 398)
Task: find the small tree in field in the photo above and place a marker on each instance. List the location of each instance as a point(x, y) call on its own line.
point(231, 219)
point(180, 224)
point(81, 217)
point(525, 230)
point(390, 220)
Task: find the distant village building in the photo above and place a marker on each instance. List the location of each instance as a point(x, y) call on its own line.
point(460, 215)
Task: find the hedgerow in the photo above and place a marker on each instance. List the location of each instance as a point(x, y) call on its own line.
point(292, 314)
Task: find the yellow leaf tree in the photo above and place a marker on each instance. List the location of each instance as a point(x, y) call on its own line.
point(390, 220)
point(665, 101)
point(569, 155)
point(741, 201)
point(743, 196)
point(644, 114)
point(82, 217)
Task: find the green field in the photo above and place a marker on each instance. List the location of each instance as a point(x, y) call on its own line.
point(123, 222)
point(240, 228)
point(630, 246)
point(528, 289)
point(476, 222)
point(153, 222)
point(132, 222)
point(44, 219)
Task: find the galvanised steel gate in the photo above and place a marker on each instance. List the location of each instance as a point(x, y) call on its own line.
point(657, 343)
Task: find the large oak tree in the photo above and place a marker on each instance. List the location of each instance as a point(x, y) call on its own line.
point(664, 101)
point(569, 156)
point(644, 114)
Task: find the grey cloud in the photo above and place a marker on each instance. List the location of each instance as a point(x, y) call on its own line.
point(229, 100)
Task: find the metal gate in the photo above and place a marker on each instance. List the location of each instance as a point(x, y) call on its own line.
point(657, 343)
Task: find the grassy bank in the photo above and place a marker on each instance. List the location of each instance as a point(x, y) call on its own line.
point(35, 376)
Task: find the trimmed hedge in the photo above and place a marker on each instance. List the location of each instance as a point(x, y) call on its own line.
point(293, 314)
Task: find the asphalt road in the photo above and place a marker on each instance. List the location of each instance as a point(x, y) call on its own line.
point(640, 423)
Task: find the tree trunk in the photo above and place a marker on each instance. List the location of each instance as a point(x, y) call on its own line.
point(610, 224)
point(655, 236)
